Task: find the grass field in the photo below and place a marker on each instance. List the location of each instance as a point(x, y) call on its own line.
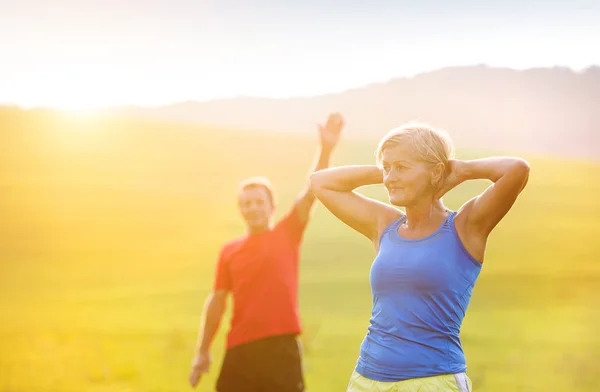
point(110, 230)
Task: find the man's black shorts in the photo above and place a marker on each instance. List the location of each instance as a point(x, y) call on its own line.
point(272, 364)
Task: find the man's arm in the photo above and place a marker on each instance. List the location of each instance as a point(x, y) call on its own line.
point(211, 319)
point(329, 136)
point(213, 313)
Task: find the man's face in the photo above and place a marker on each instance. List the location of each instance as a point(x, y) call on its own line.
point(256, 207)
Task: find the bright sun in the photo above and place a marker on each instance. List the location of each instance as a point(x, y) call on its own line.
point(76, 91)
point(79, 103)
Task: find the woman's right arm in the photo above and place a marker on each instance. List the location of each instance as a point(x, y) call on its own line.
point(335, 188)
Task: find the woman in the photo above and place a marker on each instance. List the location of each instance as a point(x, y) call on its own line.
point(428, 258)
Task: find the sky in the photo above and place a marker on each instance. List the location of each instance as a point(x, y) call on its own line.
point(79, 54)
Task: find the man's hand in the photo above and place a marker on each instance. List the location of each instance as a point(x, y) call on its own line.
point(331, 131)
point(200, 365)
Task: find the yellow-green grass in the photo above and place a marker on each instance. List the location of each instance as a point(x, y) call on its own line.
point(110, 230)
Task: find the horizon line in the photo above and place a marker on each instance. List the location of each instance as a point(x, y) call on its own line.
point(299, 96)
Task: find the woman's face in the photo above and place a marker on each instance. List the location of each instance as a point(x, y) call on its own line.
point(406, 178)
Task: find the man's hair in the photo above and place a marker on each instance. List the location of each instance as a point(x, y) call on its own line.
point(258, 182)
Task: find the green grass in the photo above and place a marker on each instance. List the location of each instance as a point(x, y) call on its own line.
point(110, 231)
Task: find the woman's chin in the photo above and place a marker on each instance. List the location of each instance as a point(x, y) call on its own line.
point(397, 201)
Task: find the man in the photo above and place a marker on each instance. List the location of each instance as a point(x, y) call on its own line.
point(261, 271)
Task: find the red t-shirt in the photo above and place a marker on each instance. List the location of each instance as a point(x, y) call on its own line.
point(261, 271)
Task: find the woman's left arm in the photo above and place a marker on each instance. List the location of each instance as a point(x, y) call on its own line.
point(509, 176)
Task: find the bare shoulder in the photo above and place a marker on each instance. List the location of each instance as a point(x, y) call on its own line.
point(463, 213)
point(473, 241)
point(387, 215)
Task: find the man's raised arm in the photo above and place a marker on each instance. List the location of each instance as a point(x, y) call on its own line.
point(329, 136)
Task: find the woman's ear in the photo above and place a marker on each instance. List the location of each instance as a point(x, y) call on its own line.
point(437, 174)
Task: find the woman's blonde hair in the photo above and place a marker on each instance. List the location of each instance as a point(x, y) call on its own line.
point(431, 145)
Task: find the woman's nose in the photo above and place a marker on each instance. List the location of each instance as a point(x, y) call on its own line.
point(391, 177)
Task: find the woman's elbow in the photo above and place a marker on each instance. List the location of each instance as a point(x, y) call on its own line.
point(522, 167)
point(316, 181)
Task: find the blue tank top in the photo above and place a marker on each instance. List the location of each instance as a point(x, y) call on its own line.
point(421, 289)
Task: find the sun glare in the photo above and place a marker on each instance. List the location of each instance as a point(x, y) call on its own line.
point(81, 113)
point(80, 104)
point(76, 91)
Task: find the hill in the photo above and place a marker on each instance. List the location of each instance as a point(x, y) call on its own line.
point(542, 110)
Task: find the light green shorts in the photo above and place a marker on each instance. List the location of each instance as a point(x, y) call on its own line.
point(444, 383)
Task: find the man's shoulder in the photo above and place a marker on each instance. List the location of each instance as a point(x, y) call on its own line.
point(291, 223)
point(291, 216)
point(232, 246)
